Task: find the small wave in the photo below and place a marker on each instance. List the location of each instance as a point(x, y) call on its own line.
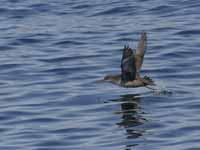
point(70, 58)
point(9, 66)
point(69, 42)
point(162, 9)
point(20, 13)
point(6, 48)
point(41, 7)
point(189, 32)
point(61, 71)
point(29, 40)
point(114, 11)
point(83, 6)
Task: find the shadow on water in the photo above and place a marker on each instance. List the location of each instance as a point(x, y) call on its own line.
point(131, 117)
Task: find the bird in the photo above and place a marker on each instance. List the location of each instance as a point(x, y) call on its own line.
point(131, 64)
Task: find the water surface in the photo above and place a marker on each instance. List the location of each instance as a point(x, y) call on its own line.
point(53, 52)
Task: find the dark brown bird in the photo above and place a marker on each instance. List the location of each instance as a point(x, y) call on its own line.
point(131, 64)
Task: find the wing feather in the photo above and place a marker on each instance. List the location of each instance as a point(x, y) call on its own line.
point(128, 68)
point(140, 52)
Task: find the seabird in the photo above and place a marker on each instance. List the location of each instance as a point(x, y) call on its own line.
point(131, 64)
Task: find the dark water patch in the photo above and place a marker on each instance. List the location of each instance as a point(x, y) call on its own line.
point(66, 130)
point(2, 130)
point(8, 28)
point(20, 13)
point(173, 55)
point(82, 6)
point(82, 137)
point(114, 11)
point(41, 7)
point(52, 143)
point(4, 10)
point(6, 117)
point(72, 58)
point(39, 35)
point(19, 113)
point(70, 71)
point(164, 29)
point(163, 9)
point(192, 5)
point(124, 34)
point(69, 43)
point(10, 147)
point(14, 1)
point(62, 13)
point(187, 33)
point(93, 32)
point(43, 120)
point(9, 66)
point(6, 48)
point(192, 106)
point(26, 135)
point(4, 93)
point(28, 41)
point(61, 71)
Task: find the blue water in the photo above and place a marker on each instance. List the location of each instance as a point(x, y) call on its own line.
point(54, 51)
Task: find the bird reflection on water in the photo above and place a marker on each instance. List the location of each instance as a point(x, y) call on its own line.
point(131, 115)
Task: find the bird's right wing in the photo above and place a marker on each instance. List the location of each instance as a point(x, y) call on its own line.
point(141, 48)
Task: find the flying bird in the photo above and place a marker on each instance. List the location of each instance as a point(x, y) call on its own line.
point(131, 64)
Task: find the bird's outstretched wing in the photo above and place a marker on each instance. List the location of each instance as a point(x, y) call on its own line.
point(141, 48)
point(128, 68)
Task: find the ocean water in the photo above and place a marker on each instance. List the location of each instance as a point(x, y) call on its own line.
point(54, 51)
